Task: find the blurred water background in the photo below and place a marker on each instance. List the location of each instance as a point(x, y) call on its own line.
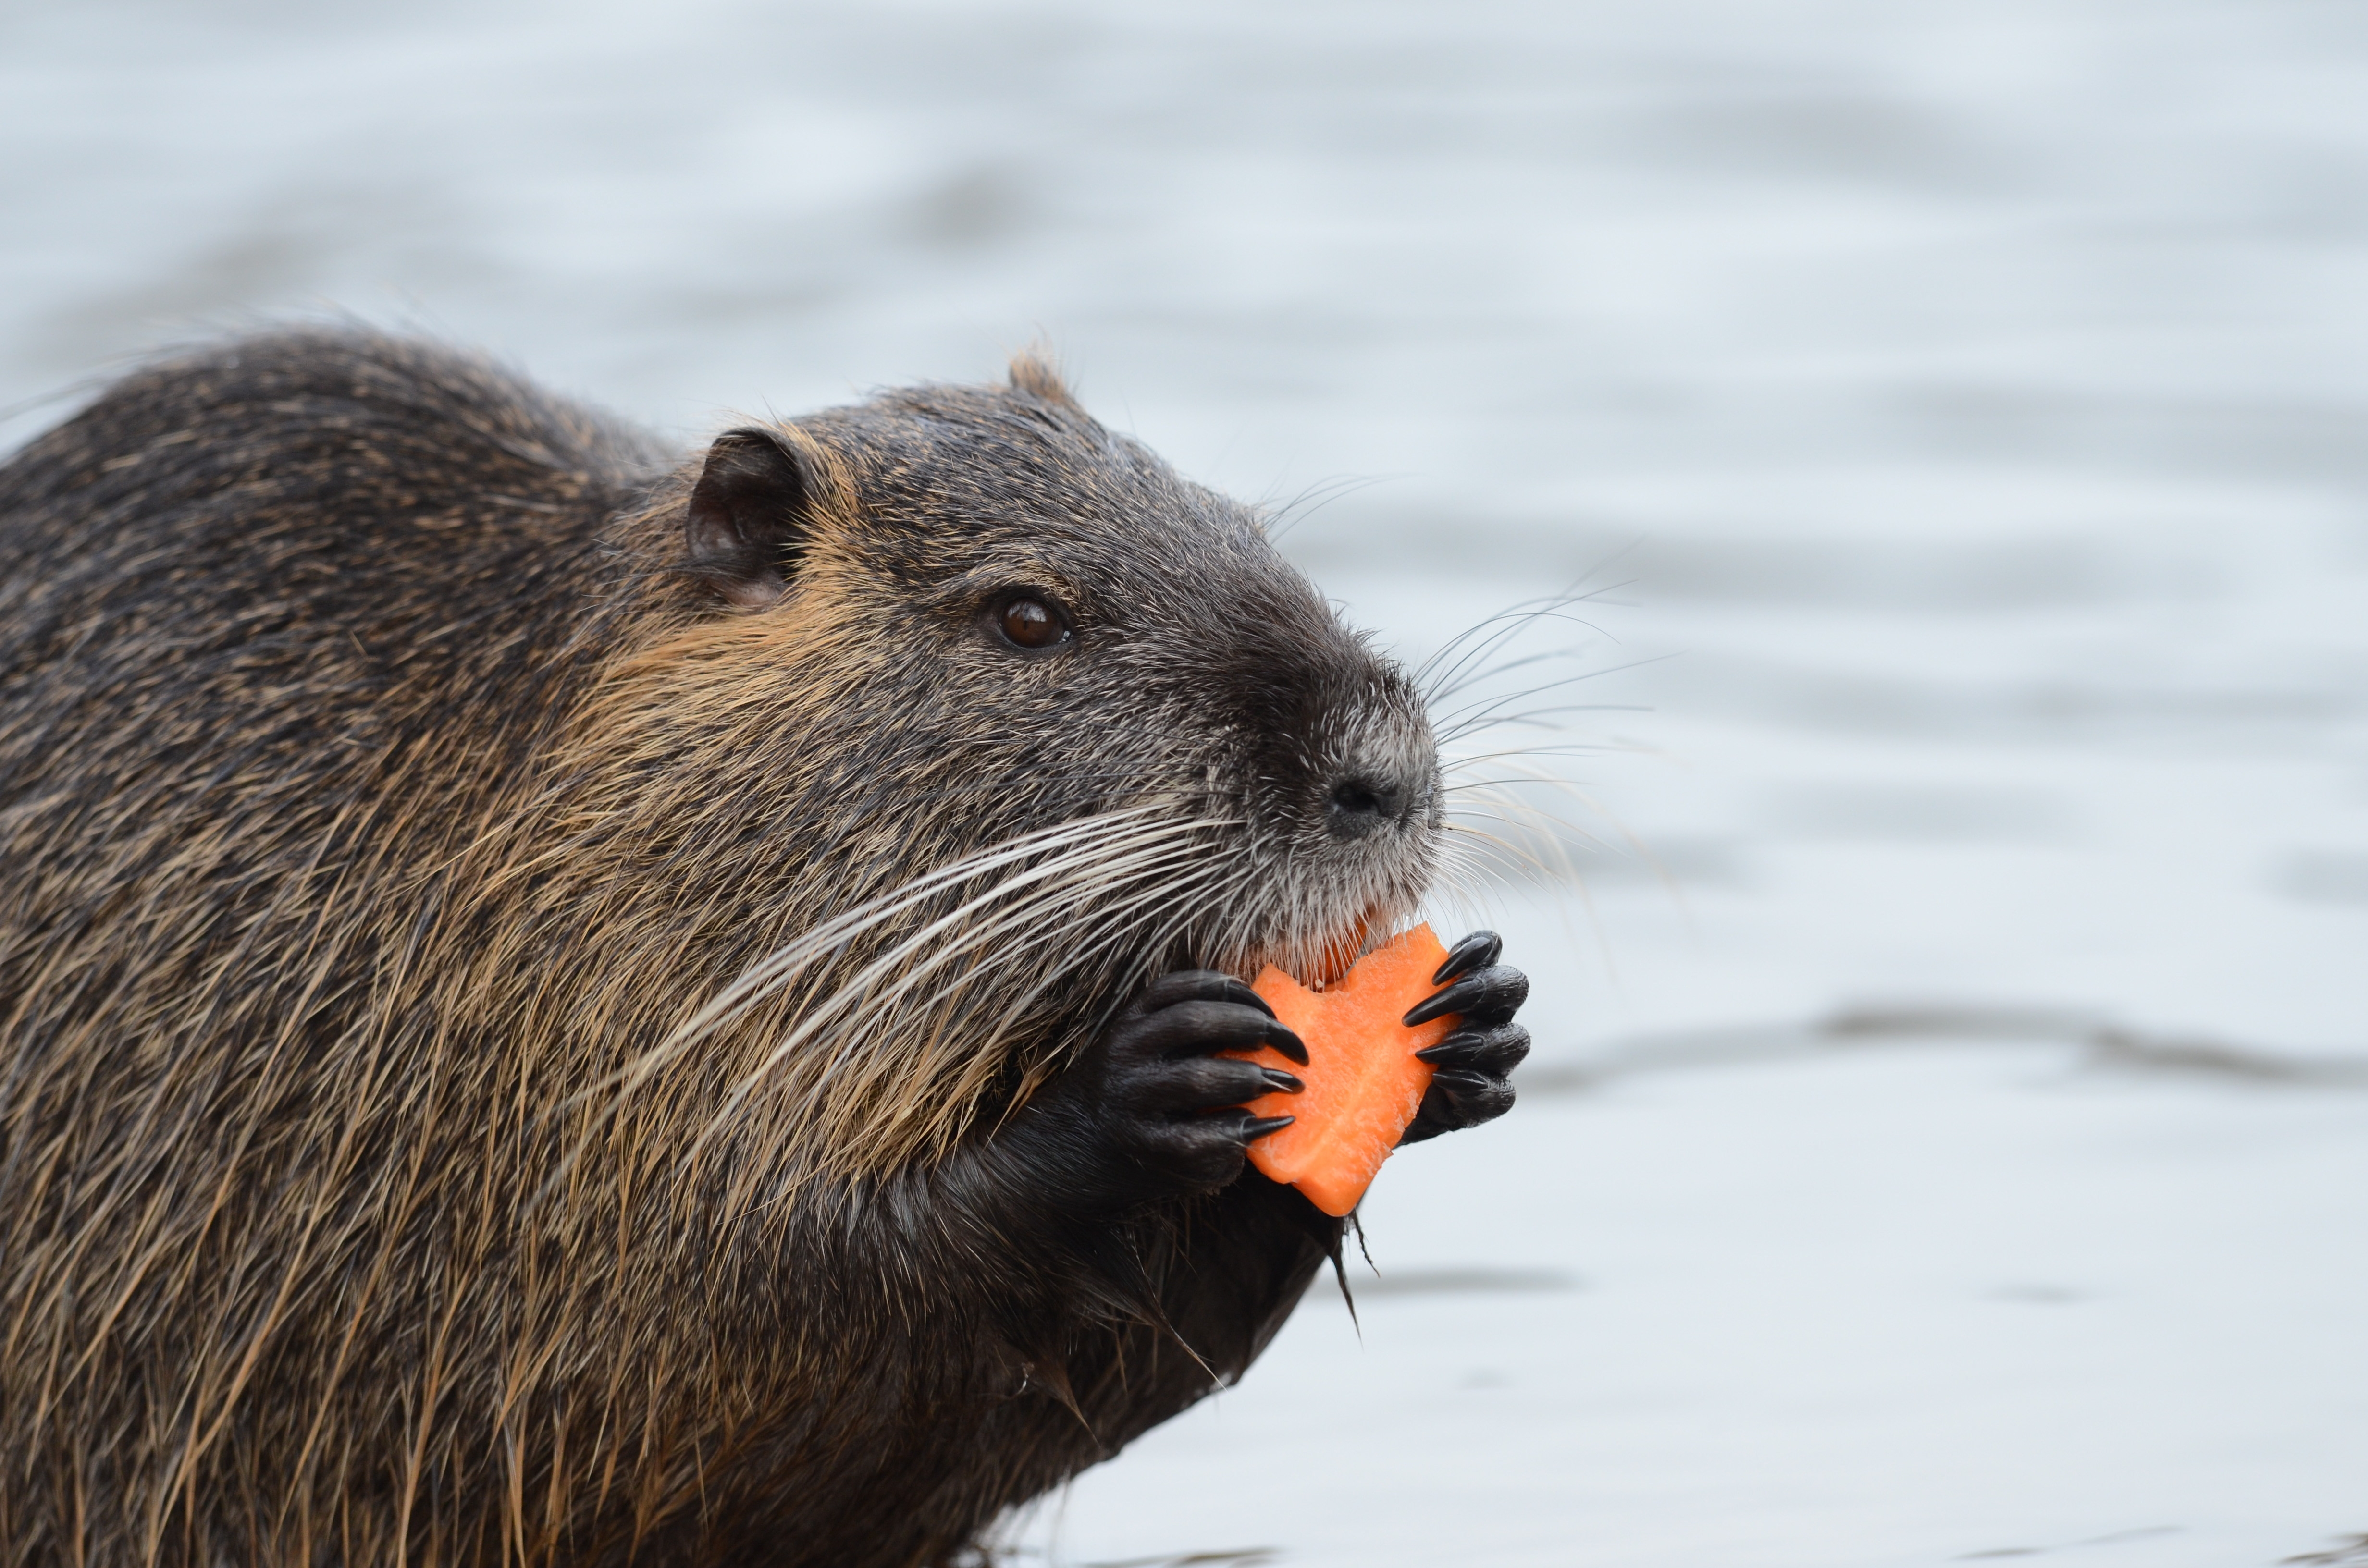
point(1948, 1136)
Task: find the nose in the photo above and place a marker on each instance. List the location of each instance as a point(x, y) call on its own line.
point(1365, 799)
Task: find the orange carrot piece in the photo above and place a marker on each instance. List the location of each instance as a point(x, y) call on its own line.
point(1363, 1080)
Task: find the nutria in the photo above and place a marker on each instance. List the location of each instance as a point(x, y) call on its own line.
point(565, 1006)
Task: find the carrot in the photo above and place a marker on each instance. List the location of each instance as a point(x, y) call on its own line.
point(1363, 1080)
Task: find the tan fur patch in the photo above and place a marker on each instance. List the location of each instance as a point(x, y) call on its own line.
point(1033, 372)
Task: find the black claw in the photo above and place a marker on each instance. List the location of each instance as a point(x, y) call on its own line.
point(1486, 997)
point(1256, 1127)
point(1200, 1027)
point(1236, 991)
point(1284, 1081)
point(1199, 986)
point(1283, 1040)
point(1498, 1051)
point(1438, 1005)
point(1476, 952)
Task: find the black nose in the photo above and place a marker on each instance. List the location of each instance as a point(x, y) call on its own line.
point(1363, 801)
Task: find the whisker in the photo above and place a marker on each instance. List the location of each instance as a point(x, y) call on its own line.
point(1520, 611)
point(942, 1109)
point(920, 1012)
point(768, 974)
point(1118, 932)
point(1469, 664)
point(1576, 748)
point(1313, 499)
point(1464, 655)
point(1493, 671)
point(1509, 854)
point(1460, 721)
point(1032, 919)
point(1535, 718)
point(813, 1018)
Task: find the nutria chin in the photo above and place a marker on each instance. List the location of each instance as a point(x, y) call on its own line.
point(561, 1006)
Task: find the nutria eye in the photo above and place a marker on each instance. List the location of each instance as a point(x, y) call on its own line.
point(1032, 623)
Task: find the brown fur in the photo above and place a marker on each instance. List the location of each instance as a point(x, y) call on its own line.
point(389, 1172)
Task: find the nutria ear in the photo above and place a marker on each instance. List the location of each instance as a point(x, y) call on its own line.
point(1032, 373)
point(748, 516)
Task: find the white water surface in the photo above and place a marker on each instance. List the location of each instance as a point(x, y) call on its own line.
point(1947, 1138)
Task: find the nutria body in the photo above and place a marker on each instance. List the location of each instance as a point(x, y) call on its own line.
point(565, 1006)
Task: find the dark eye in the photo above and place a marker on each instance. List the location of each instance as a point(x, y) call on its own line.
point(1032, 623)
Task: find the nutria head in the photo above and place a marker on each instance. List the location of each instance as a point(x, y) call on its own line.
point(965, 716)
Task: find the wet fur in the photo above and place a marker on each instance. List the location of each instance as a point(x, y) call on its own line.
point(385, 802)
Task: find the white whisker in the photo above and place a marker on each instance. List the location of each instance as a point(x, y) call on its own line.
point(812, 1020)
point(769, 973)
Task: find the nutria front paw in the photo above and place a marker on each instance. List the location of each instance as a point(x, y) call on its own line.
point(1473, 1083)
point(1150, 1109)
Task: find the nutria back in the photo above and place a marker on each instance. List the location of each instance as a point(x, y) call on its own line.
point(565, 1004)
